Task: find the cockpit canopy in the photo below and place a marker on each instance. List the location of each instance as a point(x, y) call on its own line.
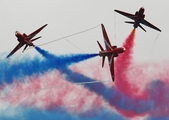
point(16, 33)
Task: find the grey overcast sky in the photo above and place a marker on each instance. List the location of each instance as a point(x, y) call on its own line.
point(65, 17)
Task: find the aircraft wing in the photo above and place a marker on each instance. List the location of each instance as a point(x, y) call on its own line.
point(106, 38)
point(131, 16)
point(30, 36)
point(111, 65)
point(149, 25)
point(15, 49)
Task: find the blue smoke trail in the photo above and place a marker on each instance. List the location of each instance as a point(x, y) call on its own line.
point(158, 118)
point(30, 66)
point(111, 95)
point(64, 60)
point(36, 114)
point(62, 114)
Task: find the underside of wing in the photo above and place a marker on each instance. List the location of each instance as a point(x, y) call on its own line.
point(111, 65)
point(149, 25)
point(30, 36)
point(15, 49)
point(131, 16)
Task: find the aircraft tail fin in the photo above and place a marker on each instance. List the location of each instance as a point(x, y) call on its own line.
point(36, 38)
point(142, 27)
point(101, 48)
point(31, 43)
point(25, 48)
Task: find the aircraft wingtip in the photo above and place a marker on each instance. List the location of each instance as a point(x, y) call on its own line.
point(112, 77)
point(102, 26)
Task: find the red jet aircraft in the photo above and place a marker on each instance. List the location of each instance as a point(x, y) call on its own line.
point(138, 18)
point(110, 52)
point(25, 40)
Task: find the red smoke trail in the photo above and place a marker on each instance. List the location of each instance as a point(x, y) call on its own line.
point(75, 98)
point(122, 63)
point(157, 101)
point(155, 91)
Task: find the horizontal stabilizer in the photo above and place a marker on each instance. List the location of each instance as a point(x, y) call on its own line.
point(25, 48)
point(36, 38)
point(129, 22)
point(101, 48)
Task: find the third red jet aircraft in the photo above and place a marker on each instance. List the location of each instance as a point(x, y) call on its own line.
point(138, 18)
point(25, 39)
point(110, 52)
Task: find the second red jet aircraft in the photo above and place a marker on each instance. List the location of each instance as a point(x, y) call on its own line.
point(110, 52)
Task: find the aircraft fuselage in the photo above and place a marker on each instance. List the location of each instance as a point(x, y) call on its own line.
point(115, 51)
point(23, 38)
point(140, 15)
